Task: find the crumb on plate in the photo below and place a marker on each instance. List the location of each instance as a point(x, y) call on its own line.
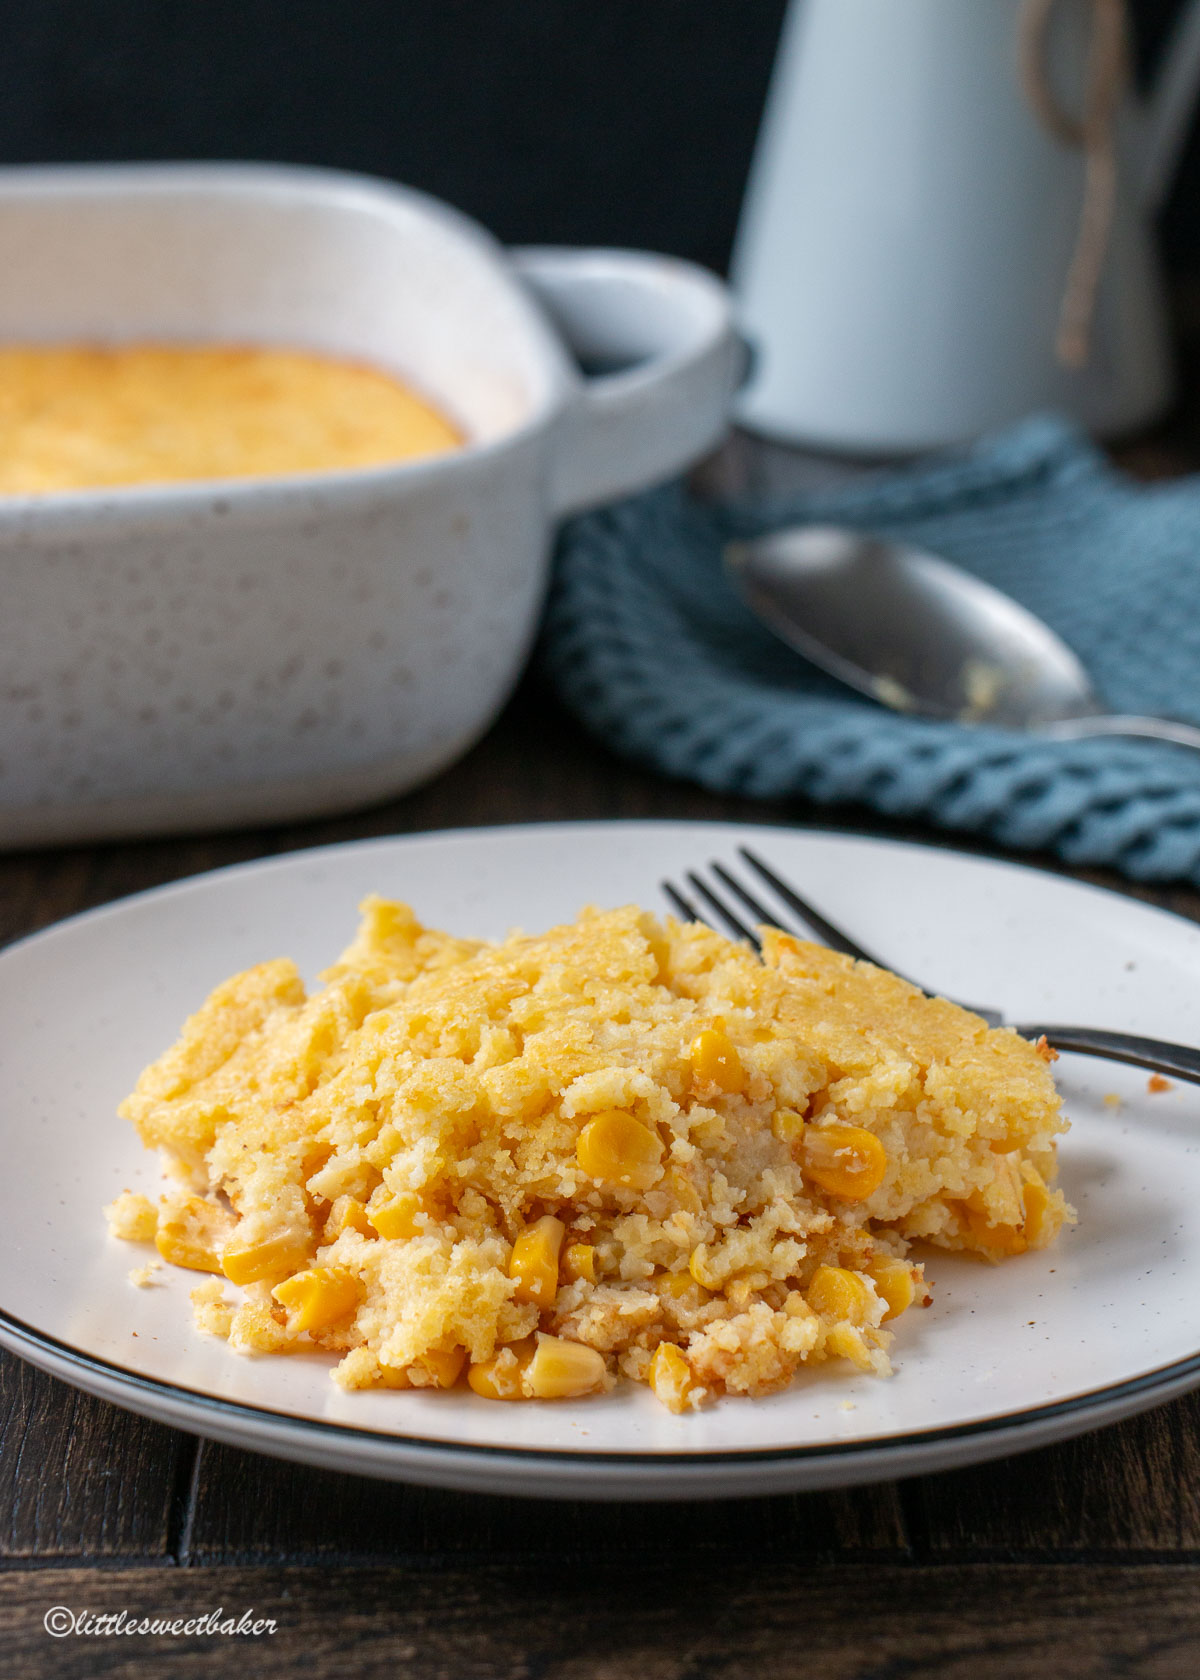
point(210, 1309)
point(132, 1217)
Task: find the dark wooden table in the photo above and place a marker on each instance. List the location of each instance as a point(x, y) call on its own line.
point(1083, 1559)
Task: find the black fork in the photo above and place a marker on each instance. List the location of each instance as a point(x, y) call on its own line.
point(731, 902)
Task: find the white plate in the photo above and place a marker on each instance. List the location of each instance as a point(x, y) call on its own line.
point(1008, 1357)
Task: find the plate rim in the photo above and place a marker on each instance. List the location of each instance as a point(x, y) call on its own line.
point(288, 1430)
point(13, 1330)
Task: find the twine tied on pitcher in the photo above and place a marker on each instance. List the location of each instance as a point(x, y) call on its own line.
point(1093, 132)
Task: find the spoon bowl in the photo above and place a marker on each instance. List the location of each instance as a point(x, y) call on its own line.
point(923, 636)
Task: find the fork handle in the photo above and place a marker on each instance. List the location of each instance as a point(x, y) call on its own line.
point(1179, 1060)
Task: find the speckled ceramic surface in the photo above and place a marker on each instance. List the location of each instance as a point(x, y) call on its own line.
point(1007, 1357)
point(194, 656)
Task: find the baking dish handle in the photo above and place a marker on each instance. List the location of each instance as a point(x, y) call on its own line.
point(665, 330)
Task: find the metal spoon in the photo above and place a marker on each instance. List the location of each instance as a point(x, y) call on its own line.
point(923, 636)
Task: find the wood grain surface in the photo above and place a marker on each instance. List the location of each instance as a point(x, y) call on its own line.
point(740, 1622)
point(737, 1619)
point(1078, 1560)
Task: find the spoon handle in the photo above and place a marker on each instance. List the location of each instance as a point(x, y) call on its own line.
point(1116, 723)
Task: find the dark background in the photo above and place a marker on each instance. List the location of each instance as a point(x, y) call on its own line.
point(586, 121)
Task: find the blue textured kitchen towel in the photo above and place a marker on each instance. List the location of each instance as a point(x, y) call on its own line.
point(648, 643)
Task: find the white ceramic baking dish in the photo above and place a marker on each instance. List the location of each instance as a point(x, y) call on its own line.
point(202, 655)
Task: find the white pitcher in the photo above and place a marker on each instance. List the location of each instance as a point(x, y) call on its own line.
point(927, 250)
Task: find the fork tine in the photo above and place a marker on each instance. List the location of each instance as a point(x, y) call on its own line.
point(826, 932)
point(739, 928)
point(756, 907)
point(681, 904)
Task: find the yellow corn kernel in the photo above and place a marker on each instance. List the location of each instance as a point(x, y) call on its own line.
point(561, 1370)
point(392, 1376)
point(318, 1298)
point(1000, 1238)
point(1006, 1240)
point(839, 1294)
point(348, 1214)
point(277, 1257)
point(684, 1191)
point(579, 1262)
point(315, 1157)
point(893, 1280)
point(437, 1367)
point(698, 1268)
point(788, 1125)
point(189, 1233)
point(1037, 1206)
point(741, 1289)
point(676, 1284)
point(848, 1161)
point(534, 1261)
point(715, 1061)
point(499, 1378)
point(397, 1217)
point(846, 1343)
point(617, 1149)
point(670, 1376)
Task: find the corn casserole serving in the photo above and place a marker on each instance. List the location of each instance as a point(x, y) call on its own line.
point(623, 1147)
